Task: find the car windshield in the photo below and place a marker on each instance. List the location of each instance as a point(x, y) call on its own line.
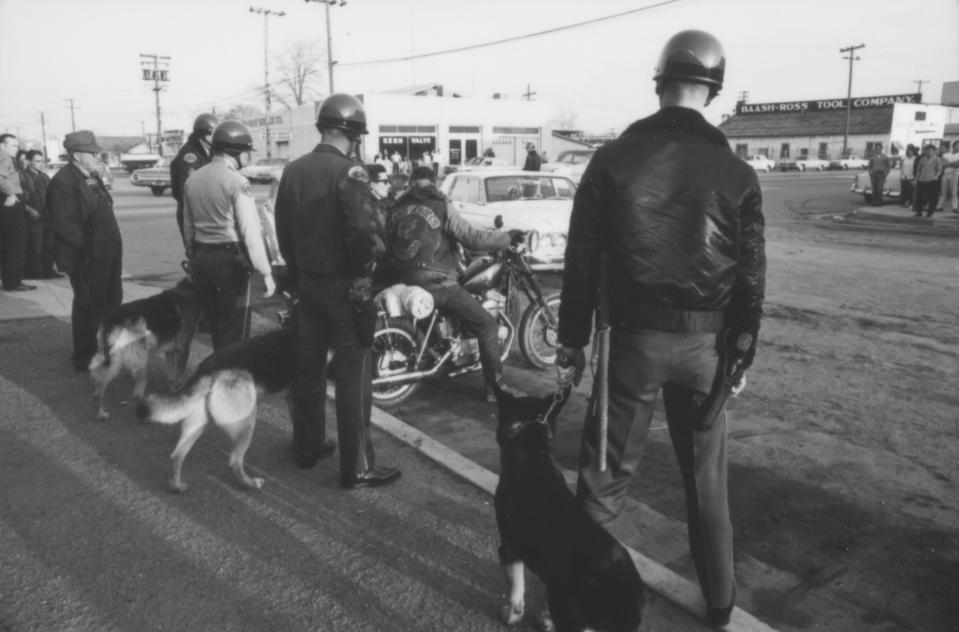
point(574, 157)
point(509, 188)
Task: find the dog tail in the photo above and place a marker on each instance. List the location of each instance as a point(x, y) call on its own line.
point(172, 408)
point(102, 356)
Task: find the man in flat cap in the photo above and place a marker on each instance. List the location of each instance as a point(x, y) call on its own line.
point(87, 241)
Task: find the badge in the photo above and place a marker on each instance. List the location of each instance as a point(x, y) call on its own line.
point(189, 159)
point(246, 188)
point(358, 173)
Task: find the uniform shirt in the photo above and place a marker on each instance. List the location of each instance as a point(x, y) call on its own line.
point(193, 155)
point(9, 176)
point(218, 208)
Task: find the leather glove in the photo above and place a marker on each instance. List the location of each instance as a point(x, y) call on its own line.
point(739, 343)
point(362, 290)
point(570, 364)
point(516, 236)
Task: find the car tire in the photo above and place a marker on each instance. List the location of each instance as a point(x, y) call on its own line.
point(157, 191)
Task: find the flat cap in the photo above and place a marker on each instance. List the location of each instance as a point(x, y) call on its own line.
point(84, 140)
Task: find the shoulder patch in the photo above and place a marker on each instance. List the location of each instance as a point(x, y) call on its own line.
point(246, 188)
point(358, 173)
point(189, 158)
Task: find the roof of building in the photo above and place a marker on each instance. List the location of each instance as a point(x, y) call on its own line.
point(827, 123)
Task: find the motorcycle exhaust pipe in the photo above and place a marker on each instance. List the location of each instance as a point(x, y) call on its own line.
point(404, 378)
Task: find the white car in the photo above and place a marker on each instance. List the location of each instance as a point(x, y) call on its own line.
point(760, 163)
point(534, 201)
point(803, 164)
point(850, 162)
point(570, 163)
point(265, 170)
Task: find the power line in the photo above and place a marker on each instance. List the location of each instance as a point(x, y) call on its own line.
point(507, 40)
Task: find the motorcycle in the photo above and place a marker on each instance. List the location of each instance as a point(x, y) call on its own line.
point(414, 342)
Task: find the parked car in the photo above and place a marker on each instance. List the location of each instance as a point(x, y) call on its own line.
point(570, 163)
point(537, 202)
point(803, 164)
point(265, 170)
point(479, 162)
point(760, 163)
point(850, 162)
point(156, 177)
point(891, 187)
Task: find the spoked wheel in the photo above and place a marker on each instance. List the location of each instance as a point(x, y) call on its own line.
point(537, 339)
point(394, 353)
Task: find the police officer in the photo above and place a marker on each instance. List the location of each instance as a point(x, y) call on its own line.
point(679, 218)
point(421, 241)
point(87, 241)
point(533, 161)
point(194, 154)
point(325, 228)
point(223, 237)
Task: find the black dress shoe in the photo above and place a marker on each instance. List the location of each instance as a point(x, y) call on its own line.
point(373, 477)
point(309, 460)
point(23, 287)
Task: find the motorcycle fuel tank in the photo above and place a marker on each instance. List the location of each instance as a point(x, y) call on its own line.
point(482, 275)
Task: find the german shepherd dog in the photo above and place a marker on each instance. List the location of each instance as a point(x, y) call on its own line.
point(132, 332)
point(591, 582)
point(224, 391)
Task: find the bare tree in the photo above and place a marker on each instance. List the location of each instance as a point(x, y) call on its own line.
point(299, 68)
point(565, 120)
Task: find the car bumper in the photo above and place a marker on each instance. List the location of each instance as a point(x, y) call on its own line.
point(150, 183)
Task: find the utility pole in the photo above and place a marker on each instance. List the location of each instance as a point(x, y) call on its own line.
point(73, 118)
point(43, 133)
point(852, 57)
point(156, 74)
point(528, 94)
point(919, 83)
point(743, 95)
point(266, 69)
point(329, 37)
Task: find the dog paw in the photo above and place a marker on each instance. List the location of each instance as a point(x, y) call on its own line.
point(544, 622)
point(513, 613)
point(102, 415)
point(178, 487)
point(256, 482)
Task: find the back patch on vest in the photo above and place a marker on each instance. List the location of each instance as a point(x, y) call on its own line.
point(416, 234)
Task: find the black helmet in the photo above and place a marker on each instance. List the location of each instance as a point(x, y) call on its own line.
point(692, 56)
point(232, 137)
point(204, 124)
point(342, 111)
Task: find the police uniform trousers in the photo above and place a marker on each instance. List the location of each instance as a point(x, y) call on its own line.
point(681, 364)
point(326, 321)
point(223, 279)
point(13, 227)
point(97, 288)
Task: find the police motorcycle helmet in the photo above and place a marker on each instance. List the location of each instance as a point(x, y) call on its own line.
point(233, 139)
point(204, 125)
point(344, 112)
point(692, 56)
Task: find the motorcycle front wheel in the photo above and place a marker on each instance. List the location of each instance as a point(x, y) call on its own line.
point(394, 352)
point(537, 339)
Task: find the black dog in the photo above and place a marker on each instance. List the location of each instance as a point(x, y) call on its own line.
point(591, 582)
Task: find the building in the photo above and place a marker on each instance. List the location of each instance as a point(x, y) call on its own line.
point(819, 128)
point(419, 121)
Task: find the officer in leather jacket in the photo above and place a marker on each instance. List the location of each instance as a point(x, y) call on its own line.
point(326, 233)
point(195, 153)
point(679, 218)
point(421, 235)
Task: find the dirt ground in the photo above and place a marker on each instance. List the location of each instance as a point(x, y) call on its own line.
point(843, 454)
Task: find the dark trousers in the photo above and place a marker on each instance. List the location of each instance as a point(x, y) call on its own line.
point(13, 226)
point(326, 321)
point(927, 197)
point(97, 289)
point(39, 261)
point(456, 300)
point(878, 181)
point(907, 191)
point(682, 365)
point(223, 283)
point(179, 216)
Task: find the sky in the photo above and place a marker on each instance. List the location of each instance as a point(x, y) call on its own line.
point(598, 75)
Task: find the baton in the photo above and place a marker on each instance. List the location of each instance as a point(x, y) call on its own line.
point(246, 307)
point(602, 370)
point(723, 388)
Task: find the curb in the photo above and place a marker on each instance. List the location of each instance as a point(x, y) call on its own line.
point(893, 216)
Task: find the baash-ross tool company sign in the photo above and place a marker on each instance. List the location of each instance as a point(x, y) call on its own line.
point(822, 105)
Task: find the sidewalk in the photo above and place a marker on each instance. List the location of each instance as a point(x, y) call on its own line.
point(405, 448)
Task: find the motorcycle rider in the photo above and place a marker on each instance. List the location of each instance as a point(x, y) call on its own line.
point(195, 153)
point(422, 233)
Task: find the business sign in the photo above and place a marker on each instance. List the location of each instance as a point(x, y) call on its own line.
point(276, 135)
point(152, 74)
point(826, 105)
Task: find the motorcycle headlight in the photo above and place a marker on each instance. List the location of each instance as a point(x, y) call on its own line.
point(533, 240)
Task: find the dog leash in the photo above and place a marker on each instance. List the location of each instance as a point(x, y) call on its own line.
point(558, 398)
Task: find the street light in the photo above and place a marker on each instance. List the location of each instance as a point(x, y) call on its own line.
point(329, 37)
point(266, 68)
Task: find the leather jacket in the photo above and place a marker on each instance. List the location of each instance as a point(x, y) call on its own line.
point(680, 218)
point(191, 157)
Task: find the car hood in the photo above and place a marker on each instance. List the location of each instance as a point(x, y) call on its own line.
point(541, 215)
point(153, 172)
